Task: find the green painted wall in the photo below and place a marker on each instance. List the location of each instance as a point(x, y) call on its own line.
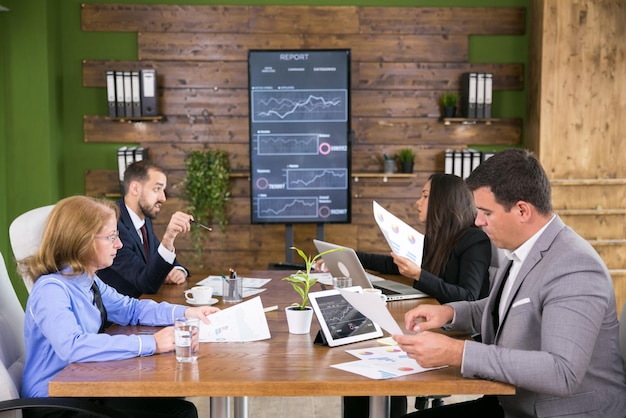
point(42, 101)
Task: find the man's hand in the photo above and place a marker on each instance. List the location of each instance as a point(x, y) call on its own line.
point(431, 349)
point(175, 276)
point(406, 267)
point(180, 222)
point(425, 317)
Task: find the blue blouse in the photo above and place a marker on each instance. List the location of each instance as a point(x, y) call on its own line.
point(62, 322)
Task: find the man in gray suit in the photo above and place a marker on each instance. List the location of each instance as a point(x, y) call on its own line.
point(549, 326)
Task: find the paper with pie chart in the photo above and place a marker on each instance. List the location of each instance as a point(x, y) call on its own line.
point(383, 362)
point(402, 239)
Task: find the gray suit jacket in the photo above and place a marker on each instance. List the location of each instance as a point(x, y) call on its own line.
point(558, 339)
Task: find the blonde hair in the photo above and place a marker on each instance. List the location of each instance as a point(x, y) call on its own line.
point(68, 237)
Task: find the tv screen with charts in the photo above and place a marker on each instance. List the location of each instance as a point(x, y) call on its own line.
point(299, 136)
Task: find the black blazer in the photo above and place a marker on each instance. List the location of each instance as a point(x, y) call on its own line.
point(130, 274)
point(466, 276)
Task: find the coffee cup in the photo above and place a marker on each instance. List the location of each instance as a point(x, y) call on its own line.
point(376, 292)
point(199, 295)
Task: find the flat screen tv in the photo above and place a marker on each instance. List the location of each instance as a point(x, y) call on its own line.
point(299, 136)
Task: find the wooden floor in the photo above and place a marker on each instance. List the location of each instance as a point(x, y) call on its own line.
point(298, 407)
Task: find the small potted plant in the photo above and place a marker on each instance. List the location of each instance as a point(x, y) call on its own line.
point(299, 314)
point(406, 156)
point(449, 100)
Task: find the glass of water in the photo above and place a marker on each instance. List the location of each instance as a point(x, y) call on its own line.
point(186, 333)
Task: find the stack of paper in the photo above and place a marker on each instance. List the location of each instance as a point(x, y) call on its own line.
point(381, 363)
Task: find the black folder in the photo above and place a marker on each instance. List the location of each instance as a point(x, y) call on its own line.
point(148, 93)
point(468, 95)
point(110, 75)
point(119, 94)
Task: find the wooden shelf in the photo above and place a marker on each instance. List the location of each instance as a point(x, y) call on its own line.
point(469, 121)
point(137, 119)
point(384, 176)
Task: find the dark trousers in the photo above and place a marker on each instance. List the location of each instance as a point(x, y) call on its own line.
point(359, 406)
point(134, 407)
point(485, 407)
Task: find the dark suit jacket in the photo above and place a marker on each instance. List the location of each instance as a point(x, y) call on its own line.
point(466, 276)
point(130, 274)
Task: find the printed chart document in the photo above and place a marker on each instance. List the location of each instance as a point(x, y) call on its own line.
point(251, 286)
point(382, 362)
point(242, 322)
point(402, 239)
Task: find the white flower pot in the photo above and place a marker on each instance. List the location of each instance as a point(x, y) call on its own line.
point(299, 321)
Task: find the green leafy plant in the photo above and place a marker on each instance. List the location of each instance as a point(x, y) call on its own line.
point(449, 99)
point(206, 190)
point(406, 155)
point(302, 281)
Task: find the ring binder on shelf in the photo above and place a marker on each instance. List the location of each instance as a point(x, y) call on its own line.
point(148, 93)
point(111, 93)
point(119, 94)
point(136, 94)
point(128, 95)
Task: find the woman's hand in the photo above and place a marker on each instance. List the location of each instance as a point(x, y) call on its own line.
point(165, 341)
point(406, 267)
point(200, 312)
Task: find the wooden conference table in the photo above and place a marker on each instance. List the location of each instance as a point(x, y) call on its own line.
point(284, 365)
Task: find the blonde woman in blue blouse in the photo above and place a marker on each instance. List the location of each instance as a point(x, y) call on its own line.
point(63, 323)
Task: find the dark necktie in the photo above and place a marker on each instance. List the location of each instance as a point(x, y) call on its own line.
point(146, 246)
point(496, 307)
point(97, 300)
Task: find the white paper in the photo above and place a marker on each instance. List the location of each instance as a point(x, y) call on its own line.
point(372, 306)
point(402, 239)
point(251, 286)
point(381, 363)
point(242, 322)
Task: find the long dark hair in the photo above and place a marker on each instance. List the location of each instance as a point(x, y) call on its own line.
point(451, 211)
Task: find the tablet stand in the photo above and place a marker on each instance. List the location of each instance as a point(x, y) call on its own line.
point(320, 339)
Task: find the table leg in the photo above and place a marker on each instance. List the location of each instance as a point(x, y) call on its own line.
point(380, 406)
point(241, 407)
point(219, 407)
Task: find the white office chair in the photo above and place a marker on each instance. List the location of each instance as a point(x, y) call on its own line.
point(13, 355)
point(25, 233)
point(622, 333)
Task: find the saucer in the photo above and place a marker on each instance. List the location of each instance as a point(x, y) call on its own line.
point(212, 301)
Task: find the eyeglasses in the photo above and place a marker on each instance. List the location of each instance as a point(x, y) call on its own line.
point(111, 238)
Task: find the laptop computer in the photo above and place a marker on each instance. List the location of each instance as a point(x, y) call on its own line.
point(347, 263)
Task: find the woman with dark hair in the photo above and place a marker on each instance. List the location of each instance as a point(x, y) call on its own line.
point(457, 254)
point(455, 261)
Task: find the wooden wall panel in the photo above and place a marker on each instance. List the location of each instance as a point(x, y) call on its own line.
point(290, 19)
point(403, 59)
point(232, 47)
point(412, 77)
point(575, 124)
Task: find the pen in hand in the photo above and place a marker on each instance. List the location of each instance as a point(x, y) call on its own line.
point(202, 226)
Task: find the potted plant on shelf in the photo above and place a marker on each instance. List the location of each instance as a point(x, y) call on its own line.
point(299, 314)
point(449, 100)
point(406, 156)
point(206, 190)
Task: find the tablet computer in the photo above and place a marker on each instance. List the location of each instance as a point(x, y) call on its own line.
point(339, 321)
